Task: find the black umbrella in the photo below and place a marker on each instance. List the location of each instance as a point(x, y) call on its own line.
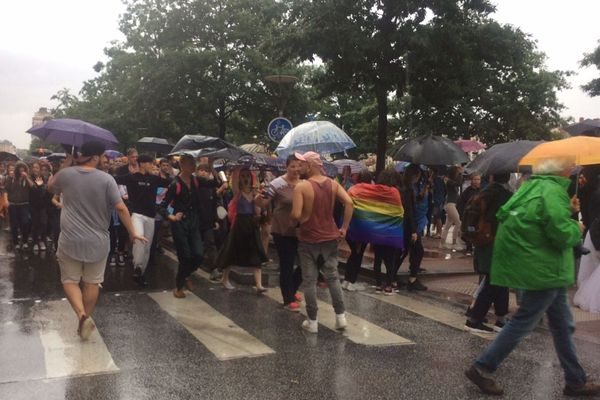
point(501, 158)
point(56, 157)
point(207, 146)
point(6, 156)
point(588, 127)
point(154, 145)
point(431, 150)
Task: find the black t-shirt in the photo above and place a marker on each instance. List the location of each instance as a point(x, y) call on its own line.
point(141, 190)
point(195, 199)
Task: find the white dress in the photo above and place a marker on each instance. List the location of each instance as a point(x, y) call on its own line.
point(588, 281)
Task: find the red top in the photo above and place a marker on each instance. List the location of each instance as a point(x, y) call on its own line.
point(320, 226)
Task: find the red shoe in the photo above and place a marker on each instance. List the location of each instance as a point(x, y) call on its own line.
point(298, 298)
point(293, 306)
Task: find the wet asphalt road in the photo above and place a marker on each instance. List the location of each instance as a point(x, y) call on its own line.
point(154, 356)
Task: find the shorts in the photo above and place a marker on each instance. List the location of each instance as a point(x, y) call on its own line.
point(73, 271)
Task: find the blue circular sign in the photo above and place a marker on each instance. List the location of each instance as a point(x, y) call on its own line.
point(278, 127)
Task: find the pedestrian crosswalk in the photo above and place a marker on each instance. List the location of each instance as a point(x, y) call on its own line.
point(62, 354)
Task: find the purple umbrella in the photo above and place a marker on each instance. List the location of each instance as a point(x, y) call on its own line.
point(112, 154)
point(72, 132)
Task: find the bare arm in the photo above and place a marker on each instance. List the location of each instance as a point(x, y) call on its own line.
point(126, 221)
point(345, 199)
point(297, 203)
point(235, 181)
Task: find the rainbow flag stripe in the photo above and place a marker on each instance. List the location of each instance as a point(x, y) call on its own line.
point(378, 215)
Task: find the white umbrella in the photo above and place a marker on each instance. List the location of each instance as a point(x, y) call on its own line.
point(322, 137)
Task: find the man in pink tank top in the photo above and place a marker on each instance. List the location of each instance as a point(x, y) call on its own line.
point(318, 237)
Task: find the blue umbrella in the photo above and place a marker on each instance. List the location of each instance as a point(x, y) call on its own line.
point(72, 132)
point(112, 154)
point(355, 166)
point(322, 137)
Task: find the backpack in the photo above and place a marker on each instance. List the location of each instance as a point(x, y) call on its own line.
point(475, 229)
point(178, 185)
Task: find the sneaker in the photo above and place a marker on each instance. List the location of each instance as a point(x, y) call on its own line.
point(340, 322)
point(121, 260)
point(478, 327)
point(215, 275)
point(587, 389)
point(112, 261)
point(86, 327)
point(178, 294)
point(42, 246)
point(25, 246)
point(17, 247)
point(379, 289)
point(260, 289)
point(227, 285)
point(399, 286)
point(469, 313)
point(416, 285)
point(498, 326)
point(36, 247)
point(388, 291)
point(350, 287)
point(298, 298)
point(344, 285)
point(293, 307)
point(486, 385)
point(310, 326)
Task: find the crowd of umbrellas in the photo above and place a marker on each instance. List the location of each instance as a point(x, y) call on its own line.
point(325, 138)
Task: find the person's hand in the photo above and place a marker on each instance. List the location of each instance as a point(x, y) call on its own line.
point(59, 206)
point(217, 226)
point(575, 206)
point(413, 237)
point(176, 218)
point(125, 197)
point(139, 238)
point(343, 233)
point(24, 175)
point(581, 227)
point(39, 181)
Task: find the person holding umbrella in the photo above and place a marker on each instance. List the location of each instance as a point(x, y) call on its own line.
point(89, 195)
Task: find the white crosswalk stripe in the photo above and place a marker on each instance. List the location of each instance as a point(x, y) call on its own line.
point(219, 334)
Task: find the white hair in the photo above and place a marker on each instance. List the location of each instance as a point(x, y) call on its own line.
point(552, 166)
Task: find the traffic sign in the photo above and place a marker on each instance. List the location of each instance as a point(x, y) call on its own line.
point(277, 128)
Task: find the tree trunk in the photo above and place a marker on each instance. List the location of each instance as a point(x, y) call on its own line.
point(382, 128)
point(222, 121)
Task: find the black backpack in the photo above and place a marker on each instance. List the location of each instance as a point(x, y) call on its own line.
point(475, 229)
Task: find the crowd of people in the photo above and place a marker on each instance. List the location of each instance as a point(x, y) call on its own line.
point(95, 212)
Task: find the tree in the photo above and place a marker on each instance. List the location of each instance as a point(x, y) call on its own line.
point(589, 60)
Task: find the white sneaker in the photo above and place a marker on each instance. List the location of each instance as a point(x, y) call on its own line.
point(36, 247)
point(310, 326)
point(345, 285)
point(42, 246)
point(360, 286)
point(350, 287)
point(340, 322)
point(227, 285)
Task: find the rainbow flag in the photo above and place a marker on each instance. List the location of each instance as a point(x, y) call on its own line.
point(378, 215)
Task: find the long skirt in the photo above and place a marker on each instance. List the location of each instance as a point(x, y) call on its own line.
point(588, 281)
point(243, 246)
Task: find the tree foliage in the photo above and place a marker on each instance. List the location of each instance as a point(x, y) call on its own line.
point(589, 60)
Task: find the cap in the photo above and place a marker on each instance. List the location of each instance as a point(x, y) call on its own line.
point(93, 148)
point(312, 157)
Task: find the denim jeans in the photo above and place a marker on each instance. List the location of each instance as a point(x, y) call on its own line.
point(309, 259)
point(290, 278)
point(188, 244)
point(534, 304)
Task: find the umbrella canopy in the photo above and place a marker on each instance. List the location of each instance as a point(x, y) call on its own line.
point(355, 166)
point(72, 132)
point(260, 162)
point(154, 145)
point(577, 150)
point(322, 137)
point(6, 156)
point(207, 146)
point(113, 154)
point(41, 152)
point(431, 150)
point(254, 148)
point(470, 145)
point(501, 158)
point(56, 157)
point(588, 127)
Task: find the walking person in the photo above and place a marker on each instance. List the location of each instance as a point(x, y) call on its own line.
point(473, 189)
point(141, 189)
point(318, 237)
point(18, 187)
point(533, 252)
point(453, 185)
point(88, 196)
point(39, 200)
point(243, 246)
point(280, 193)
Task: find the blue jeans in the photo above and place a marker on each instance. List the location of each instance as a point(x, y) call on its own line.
point(534, 304)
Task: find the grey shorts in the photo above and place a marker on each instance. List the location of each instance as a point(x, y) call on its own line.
point(73, 271)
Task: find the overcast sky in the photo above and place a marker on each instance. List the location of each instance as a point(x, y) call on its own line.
point(48, 45)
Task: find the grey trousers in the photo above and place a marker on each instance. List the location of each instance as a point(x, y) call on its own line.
point(309, 259)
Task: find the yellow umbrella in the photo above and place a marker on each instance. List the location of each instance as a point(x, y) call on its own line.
point(577, 150)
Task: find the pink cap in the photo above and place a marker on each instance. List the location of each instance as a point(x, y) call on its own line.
point(312, 157)
point(299, 156)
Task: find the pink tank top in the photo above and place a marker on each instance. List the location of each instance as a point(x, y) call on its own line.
point(321, 226)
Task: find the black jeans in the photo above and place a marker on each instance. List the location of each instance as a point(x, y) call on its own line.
point(188, 244)
point(53, 231)
point(20, 222)
point(357, 250)
point(490, 294)
point(290, 279)
point(386, 254)
point(39, 224)
point(415, 252)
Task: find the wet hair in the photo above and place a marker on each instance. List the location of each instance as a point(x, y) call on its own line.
point(502, 178)
point(365, 176)
point(409, 173)
point(163, 161)
point(145, 158)
point(203, 167)
point(131, 151)
point(290, 159)
point(388, 177)
point(454, 173)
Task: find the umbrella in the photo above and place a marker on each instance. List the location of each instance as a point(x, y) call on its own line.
point(260, 162)
point(431, 150)
point(154, 145)
point(470, 145)
point(6, 156)
point(355, 166)
point(112, 154)
point(56, 157)
point(254, 148)
point(207, 146)
point(577, 150)
point(501, 158)
point(72, 132)
point(322, 137)
point(41, 152)
point(330, 169)
point(588, 127)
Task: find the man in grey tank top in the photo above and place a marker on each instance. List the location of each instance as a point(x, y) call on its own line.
point(319, 236)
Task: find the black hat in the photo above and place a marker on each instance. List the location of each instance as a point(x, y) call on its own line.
point(93, 148)
point(145, 158)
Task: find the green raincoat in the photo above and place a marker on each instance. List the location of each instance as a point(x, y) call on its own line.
point(534, 244)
